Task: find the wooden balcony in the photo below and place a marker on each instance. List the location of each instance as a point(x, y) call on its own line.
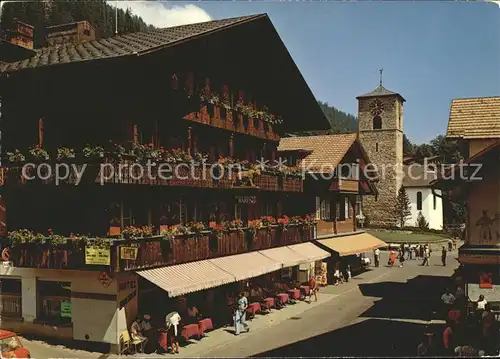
point(125, 255)
point(234, 122)
point(344, 186)
point(181, 175)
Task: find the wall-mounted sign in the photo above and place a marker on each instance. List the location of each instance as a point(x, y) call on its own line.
point(66, 309)
point(129, 253)
point(97, 256)
point(246, 199)
point(105, 279)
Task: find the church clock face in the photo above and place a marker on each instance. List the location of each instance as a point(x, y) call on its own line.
point(376, 107)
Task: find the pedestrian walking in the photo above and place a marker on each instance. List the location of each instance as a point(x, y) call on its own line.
point(376, 255)
point(172, 321)
point(427, 254)
point(450, 245)
point(417, 250)
point(313, 290)
point(443, 256)
point(240, 314)
point(410, 252)
point(421, 251)
point(392, 258)
point(401, 259)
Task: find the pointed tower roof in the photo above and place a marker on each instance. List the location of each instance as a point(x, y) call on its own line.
point(379, 92)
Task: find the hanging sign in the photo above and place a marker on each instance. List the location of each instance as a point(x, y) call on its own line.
point(97, 256)
point(129, 253)
point(66, 309)
point(246, 199)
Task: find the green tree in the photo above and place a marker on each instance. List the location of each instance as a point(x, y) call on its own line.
point(422, 222)
point(402, 209)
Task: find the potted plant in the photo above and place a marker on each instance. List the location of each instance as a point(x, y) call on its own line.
point(65, 153)
point(253, 227)
point(235, 225)
point(225, 106)
point(217, 229)
point(197, 228)
point(169, 233)
point(146, 152)
point(15, 157)
point(93, 152)
point(130, 232)
point(38, 153)
point(283, 222)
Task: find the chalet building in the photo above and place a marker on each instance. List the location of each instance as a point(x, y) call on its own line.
point(114, 239)
point(475, 124)
point(74, 32)
point(334, 199)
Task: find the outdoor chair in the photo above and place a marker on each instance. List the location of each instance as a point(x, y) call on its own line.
point(130, 344)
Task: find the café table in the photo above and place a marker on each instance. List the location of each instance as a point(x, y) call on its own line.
point(253, 308)
point(190, 330)
point(306, 289)
point(283, 298)
point(294, 293)
point(204, 325)
point(163, 339)
point(268, 303)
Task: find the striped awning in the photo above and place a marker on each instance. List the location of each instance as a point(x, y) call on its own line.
point(285, 256)
point(187, 277)
point(353, 244)
point(312, 252)
point(247, 265)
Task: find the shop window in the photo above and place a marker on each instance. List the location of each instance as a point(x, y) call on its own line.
point(54, 301)
point(10, 298)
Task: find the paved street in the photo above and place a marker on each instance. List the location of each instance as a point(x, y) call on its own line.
point(381, 312)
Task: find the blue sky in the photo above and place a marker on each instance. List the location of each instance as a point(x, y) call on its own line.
point(431, 51)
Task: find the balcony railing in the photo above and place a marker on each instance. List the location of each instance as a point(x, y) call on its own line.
point(127, 255)
point(234, 122)
point(177, 176)
point(344, 185)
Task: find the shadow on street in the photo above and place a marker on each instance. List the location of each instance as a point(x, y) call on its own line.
point(392, 327)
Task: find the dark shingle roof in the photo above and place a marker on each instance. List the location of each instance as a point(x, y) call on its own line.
point(380, 91)
point(417, 175)
point(122, 45)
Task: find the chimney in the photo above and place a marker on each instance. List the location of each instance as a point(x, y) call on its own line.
point(20, 34)
point(74, 32)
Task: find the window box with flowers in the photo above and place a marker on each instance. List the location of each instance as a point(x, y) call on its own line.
point(146, 152)
point(38, 154)
point(225, 107)
point(16, 160)
point(65, 154)
point(93, 153)
point(136, 233)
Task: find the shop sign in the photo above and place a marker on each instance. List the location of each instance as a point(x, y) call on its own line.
point(66, 309)
point(97, 256)
point(105, 279)
point(129, 253)
point(246, 199)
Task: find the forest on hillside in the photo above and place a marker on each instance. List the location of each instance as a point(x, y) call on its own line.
point(42, 14)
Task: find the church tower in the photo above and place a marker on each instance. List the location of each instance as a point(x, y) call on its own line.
point(380, 129)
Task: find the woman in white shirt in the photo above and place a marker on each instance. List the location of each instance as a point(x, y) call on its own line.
point(172, 321)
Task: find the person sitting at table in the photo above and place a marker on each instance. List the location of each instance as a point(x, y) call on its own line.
point(256, 294)
point(149, 332)
point(193, 315)
point(136, 330)
point(172, 321)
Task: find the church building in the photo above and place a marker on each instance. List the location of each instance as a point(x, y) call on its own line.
point(380, 121)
